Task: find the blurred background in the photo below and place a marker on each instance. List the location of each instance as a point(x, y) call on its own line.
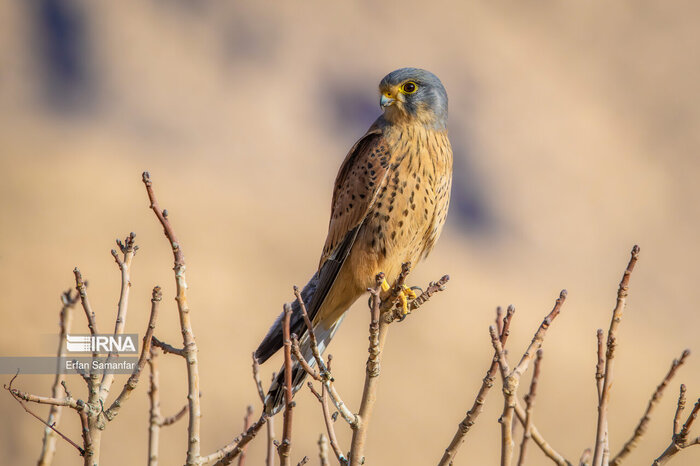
point(575, 134)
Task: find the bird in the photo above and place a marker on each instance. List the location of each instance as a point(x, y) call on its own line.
point(389, 206)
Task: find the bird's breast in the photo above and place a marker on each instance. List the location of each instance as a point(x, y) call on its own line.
point(411, 205)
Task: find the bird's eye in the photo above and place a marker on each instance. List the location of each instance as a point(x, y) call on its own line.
point(409, 87)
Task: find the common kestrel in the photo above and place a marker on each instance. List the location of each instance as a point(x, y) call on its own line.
point(389, 205)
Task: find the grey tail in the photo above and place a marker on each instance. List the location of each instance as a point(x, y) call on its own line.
point(274, 400)
point(273, 340)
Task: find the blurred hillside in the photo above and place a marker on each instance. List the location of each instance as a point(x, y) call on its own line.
point(574, 128)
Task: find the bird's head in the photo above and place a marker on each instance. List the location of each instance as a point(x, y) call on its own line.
point(413, 95)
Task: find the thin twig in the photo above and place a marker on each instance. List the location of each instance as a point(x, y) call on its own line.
point(539, 439)
point(323, 450)
point(328, 420)
point(600, 365)
point(167, 349)
point(530, 401)
point(166, 421)
point(602, 424)
point(503, 325)
point(680, 440)
point(511, 379)
point(128, 249)
point(325, 375)
point(246, 425)
point(653, 401)
point(586, 457)
point(226, 454)
point(48, 447)
point(679, 411)
point(270, 450)
point(154, 424)
point(133, 380)
point(433, 287)
point(189, 343)
point(285, 446)
point(312, 336)
point(93, 378)
point(296, 351)
point(256, 378)
point(15, 394)
point(377, 338)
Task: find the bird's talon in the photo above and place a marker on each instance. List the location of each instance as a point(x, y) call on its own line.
point(385, 286)
point(408, 291)
point(404, 302)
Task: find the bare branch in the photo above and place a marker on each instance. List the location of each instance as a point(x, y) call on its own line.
point(154, 424)
point(330, 427)
point(397, 314)
point(270, 455)
point(93, 378)
point(323, 450)
point(312, 336)
point(133, 380)
point(324, 376)
point(503, 324)
point(48, 448)
point(285, 446)
point(511, 380)
point(246, 425)
point(46, 400)
point(680, 441)
point(228, 453)
point(600, 365)
point(377, 338)
point(256, 378)
point(166, 421)
point(683, 435)
point(189, 343)
point(296, 351)
point(128, 249)
point(539, 335)
point(546, 448)
point(17, 395)
point(679, 411)
point(167, 349)
point(530, 401)
point(81, 286)
point(653, 401)
point(586, 457)
point(602, 424)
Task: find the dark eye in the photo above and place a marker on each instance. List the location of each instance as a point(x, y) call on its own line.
point(410, 87)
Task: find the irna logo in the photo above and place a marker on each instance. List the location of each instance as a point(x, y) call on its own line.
point(125, 344)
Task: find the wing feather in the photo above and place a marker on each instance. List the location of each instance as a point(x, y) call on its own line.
point(360, 178)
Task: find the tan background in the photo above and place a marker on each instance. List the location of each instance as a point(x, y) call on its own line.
point(575, 136)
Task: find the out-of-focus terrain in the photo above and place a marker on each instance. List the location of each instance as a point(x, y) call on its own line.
point(575, 132)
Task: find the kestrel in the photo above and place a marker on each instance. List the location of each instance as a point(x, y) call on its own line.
point(389, 205)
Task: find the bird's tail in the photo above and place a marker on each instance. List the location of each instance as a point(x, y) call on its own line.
point(274, 400)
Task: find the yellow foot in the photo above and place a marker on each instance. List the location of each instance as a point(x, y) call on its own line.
point(385, 286)
point(406, 294)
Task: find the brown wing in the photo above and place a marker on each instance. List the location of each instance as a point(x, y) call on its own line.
point(361, 176)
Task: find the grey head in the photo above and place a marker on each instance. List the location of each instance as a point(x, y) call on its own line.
point(414, 95)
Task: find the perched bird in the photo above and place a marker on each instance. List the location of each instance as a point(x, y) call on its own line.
point(389, 205)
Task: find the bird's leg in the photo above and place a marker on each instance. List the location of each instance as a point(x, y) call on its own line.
point(405, 295)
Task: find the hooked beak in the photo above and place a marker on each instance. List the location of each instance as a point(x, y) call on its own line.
point(386, 100)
